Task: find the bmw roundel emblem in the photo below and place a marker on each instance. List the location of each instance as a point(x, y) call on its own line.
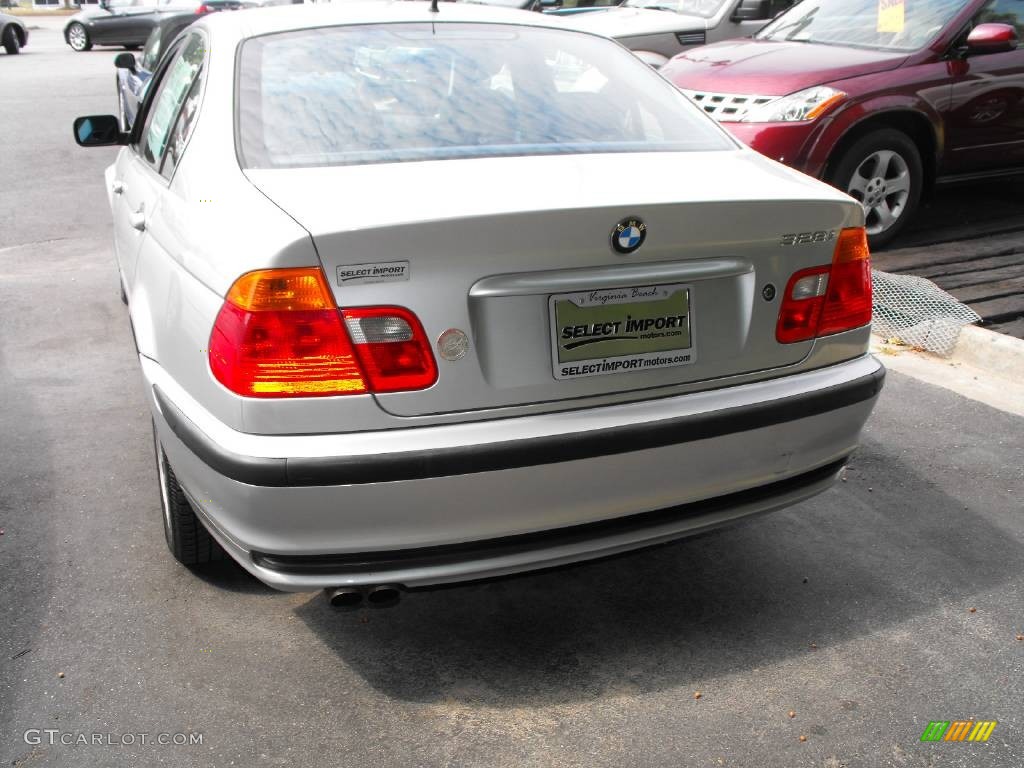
point(628, 235)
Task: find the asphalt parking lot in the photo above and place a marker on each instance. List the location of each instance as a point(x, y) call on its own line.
point(893, 600)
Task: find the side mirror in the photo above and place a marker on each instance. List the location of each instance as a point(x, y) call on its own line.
point(991, 38)
point(126, 61)
point(99, 131)
point(753, 10)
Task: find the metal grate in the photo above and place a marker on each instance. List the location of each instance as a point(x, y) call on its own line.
point(917, 312)
point(727, 106)
point(692, 38)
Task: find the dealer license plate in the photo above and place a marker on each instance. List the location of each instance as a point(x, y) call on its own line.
point(621, 330)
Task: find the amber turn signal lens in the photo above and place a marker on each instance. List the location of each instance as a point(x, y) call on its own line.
point(302, 288)
point(852, 245)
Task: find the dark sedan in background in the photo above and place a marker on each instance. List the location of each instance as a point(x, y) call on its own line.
point(128, 22)
point(13, 34)
point(133, 76)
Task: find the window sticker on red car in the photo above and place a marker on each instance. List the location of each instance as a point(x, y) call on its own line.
point(890, 15)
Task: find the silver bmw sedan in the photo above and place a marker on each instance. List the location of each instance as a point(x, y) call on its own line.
point(423, 296)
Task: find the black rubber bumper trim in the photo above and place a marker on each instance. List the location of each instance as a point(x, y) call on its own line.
point(445, 462)
point(425, 557)
point(245, 469)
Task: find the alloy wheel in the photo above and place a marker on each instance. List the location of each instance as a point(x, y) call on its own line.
point(881, 184)
point(77, 37)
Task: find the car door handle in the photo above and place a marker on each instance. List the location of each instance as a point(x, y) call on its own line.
point(138, 218)
point(117, 187)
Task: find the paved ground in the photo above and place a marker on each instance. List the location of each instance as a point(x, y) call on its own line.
point(852, 610)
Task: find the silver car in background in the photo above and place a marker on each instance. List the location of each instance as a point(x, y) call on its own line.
point(657, 30)
point(422, 297)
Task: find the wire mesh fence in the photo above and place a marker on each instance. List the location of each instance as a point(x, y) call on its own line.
point(918, 313)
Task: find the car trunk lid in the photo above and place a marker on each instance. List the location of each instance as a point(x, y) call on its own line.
point(512, 252)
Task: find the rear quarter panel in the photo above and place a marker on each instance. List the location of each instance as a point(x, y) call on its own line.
point(210, 227)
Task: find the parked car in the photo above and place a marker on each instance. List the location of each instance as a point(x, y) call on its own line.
point(125, 23)
point(656, 30)
point(13, 33)
point(133, 76)
point(365, 375)
point(879, 106)
point(564, 7)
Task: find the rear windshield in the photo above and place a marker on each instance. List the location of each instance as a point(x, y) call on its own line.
point(895, 25)
point(403, 92)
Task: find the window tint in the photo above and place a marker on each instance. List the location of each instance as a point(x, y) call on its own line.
point(175, 85)
point(1004, 12)
point(399, 92)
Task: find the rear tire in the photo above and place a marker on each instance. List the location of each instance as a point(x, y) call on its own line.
point(884, 173)
point(78, 38)
point(187, 538)
point(11, 42)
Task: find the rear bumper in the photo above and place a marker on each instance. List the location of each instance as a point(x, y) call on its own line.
point(434, 505)
point(548, 549)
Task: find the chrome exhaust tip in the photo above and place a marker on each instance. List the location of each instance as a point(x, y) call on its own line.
point(344, 598)
point(383, 596)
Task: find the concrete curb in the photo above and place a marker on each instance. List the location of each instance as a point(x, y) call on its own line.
point(985, 366)
point(994, 353)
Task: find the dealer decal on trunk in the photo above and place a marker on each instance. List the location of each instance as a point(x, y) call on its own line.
point(377, 272)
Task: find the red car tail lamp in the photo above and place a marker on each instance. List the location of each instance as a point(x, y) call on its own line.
point(392, 348)
point(821, 301)
point(279, 334)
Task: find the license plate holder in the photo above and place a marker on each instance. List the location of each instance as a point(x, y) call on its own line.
point(621, 330)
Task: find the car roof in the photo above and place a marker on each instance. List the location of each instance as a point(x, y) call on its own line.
point(180, 18)
point(262, 21)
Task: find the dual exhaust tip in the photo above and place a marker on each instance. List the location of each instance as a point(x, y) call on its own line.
point(350, 598)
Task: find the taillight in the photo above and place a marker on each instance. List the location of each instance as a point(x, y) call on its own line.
point(279, 334)
point(821, 301)
point(204, 9)
point(392, 348)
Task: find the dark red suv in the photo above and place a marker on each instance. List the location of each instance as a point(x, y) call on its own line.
point(880, 98)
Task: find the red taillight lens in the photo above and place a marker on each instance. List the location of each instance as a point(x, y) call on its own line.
point(280, 335)
point(848, 303)
point(204, 9)
point(392, 348)
point(829, 299)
